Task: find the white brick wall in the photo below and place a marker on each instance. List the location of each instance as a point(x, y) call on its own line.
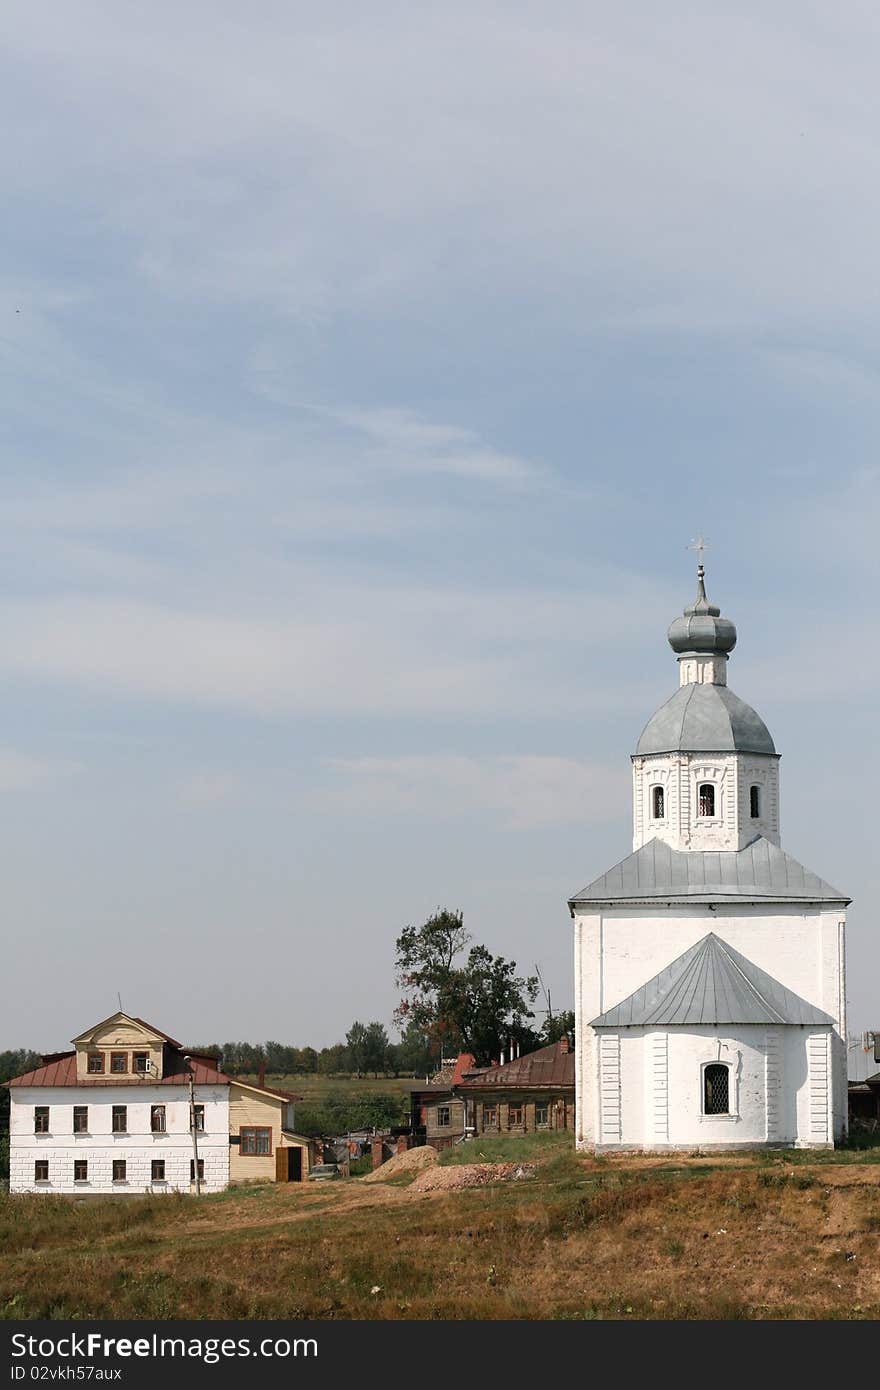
point(138, 1146)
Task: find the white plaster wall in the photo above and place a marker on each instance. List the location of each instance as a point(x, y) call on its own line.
point(778, 1094)
point(620, 949)
point(680, 775)
point(138, 1146)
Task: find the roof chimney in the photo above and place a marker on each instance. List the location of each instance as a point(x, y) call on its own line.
point(564, 1044)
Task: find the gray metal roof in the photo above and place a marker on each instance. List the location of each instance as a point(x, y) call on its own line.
point(705, 719)
point(760, 872)
point(711, 983)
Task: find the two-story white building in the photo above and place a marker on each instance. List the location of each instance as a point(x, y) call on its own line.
point(129, 1109)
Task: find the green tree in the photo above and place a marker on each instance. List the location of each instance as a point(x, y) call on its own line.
point(356, 1046)
point(474, 1005)
point(556, 1026)
point(376, 1049)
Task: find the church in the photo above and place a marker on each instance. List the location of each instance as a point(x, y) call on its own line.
point(709, 964)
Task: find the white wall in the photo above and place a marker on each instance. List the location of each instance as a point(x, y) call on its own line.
point(138, 1146)
point(779, 1087)
point(680, 776)
point(619, 949)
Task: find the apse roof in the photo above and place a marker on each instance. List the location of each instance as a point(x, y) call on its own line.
point(711, 983)
point(761, 872)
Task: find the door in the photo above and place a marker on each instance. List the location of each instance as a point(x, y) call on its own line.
point(281, 1164)
point(294, 1165)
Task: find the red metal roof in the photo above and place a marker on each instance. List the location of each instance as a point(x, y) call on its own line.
point(549, 1066)
point(63, 1073)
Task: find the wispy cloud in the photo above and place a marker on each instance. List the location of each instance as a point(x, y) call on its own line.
point(19, 770)
point(519, 792)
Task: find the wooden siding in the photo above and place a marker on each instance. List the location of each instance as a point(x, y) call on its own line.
point(254, 1109)
point(561, 1111)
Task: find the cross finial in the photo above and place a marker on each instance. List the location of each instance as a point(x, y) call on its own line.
point(700, 545)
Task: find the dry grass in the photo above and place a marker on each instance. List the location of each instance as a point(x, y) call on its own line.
point(615, 1238)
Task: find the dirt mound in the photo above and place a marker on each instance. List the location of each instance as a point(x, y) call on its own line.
point(422, 1157)
point(471, 1175)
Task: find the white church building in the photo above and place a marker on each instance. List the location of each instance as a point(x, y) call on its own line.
point(709, 964)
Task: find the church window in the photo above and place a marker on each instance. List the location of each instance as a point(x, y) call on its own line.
point(716, 1089)
point(754, 802)
point(657, 803)
point(707, 799)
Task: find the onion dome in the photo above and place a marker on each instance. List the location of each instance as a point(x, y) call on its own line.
point(702, 630)
point(705, 719)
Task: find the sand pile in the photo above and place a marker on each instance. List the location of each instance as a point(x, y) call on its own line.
point(471, 1175)
point(412, 1159)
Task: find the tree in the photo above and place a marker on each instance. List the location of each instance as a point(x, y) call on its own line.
point(375, 1049)
point(557, 1026)
point(474, 1006)
point(356, 1043)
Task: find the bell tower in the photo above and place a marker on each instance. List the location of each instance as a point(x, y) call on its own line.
point(706, 770)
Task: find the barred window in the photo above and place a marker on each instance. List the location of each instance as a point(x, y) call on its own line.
point(657, 803)
point(716, 1089)
point(754, 802)
point(707, 799)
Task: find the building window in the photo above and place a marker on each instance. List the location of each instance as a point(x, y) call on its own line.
point(542, 1114)
point(119, 1119)
point(716, 1089)
point(192, 1170)
point(80, 1119)
point(255, 1141)
point(442, 1116)
point(658, 800)
point(514, 1115)
point(119, 1170)
point(41, 1170)
point(140, 1061)
point(80, 1170)
point(41, 1119)
point(490, 1117)
point(707, 799)
point(157, 1170)
point(199, 1117)
point(118, 1061)
point(754, 802)
point(157, 1119)
point(95, 1062)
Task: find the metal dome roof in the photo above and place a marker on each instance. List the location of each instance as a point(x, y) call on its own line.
point(705, 719)
point(701, 629)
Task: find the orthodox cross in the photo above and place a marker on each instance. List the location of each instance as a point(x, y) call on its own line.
point(700, 545)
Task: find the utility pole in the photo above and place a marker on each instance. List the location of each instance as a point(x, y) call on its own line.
point(192, 1127)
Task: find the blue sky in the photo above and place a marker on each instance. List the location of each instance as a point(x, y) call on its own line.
point(365, 373)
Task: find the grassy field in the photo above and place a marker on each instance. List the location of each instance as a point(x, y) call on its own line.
point(750, 1236)
point(314, 1088)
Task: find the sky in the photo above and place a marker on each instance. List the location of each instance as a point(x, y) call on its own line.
point(366, 372)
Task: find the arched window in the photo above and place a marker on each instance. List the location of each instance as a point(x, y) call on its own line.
point(657, 803)
point(707, 799)
point(716, 1089)
point(754, 802)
